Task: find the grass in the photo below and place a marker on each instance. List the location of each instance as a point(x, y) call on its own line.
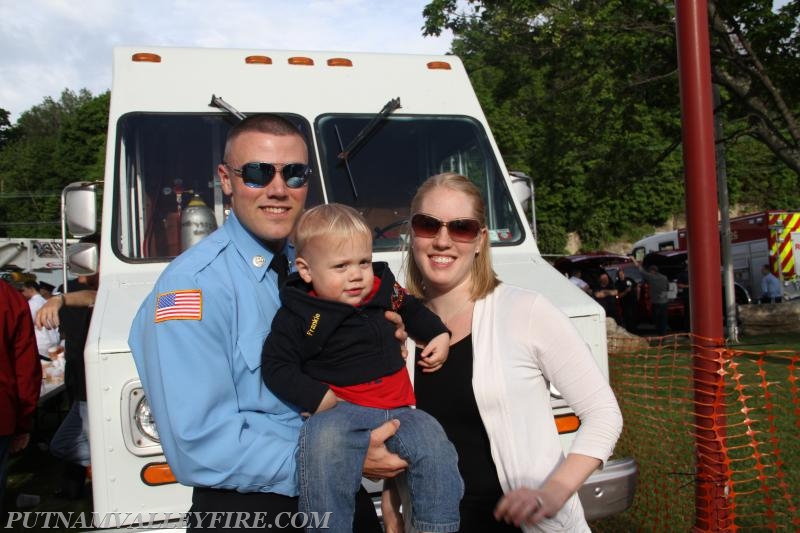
point(655, 389)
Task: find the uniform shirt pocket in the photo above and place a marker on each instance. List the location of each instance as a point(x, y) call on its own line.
point(248, 348)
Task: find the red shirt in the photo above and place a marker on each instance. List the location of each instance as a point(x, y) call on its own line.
point(20, 370)
point(388, 392)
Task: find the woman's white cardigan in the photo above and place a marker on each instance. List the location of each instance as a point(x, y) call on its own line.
point(522, 342)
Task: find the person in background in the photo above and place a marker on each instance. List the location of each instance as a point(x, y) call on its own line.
point(576, 278)
point(606, 295)
point(71, 312)
point(659, 296)
point(46, 290)
point(492, 397)
point(770, 287)
point(628, 292)
point(45, 337)
point(20, 378)
point(684, 291)
point(332, 353)
point(197, 339)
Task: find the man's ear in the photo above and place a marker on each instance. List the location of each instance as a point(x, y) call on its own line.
point(303, 269)
point(224, 179)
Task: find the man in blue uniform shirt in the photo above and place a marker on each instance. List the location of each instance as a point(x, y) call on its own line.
point(197, 341)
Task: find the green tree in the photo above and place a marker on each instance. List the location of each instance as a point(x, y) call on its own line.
point(756, 55)
point(583, 96)
point(54, 143)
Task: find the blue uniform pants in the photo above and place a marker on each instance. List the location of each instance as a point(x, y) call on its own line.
point(334, 443)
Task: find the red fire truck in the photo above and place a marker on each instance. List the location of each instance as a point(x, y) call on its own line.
point(767, 237)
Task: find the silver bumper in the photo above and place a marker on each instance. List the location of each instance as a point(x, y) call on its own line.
point(609, 491)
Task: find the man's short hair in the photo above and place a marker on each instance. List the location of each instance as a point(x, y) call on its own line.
point(31, 285)
point(263, 123)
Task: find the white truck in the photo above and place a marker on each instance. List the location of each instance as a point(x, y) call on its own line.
point(379, 125)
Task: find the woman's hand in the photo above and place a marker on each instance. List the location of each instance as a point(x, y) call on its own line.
point(380, 463)
point(526, 506)
point(529, 506)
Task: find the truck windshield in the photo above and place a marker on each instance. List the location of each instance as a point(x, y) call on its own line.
point(401, 153)
point(166, 175)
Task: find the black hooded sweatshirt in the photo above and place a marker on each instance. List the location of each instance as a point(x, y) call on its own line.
point(314, 342)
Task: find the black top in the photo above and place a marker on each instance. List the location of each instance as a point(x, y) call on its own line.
point(448, 396)
point(314, 341)
point(74, 327)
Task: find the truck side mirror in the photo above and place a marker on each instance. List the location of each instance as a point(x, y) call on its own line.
point(523, 191)
point(79, 201)
point(83, 258)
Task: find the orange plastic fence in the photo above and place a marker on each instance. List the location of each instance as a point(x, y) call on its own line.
point(758, 437)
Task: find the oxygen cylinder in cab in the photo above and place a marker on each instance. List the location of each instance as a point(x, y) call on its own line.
point(197, 221)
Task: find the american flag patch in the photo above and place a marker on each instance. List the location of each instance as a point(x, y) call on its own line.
point(179, 305)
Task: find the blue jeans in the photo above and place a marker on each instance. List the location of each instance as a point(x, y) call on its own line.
point(334, 443)
point(71, 441)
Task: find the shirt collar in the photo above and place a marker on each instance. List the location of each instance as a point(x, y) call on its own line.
point(252, 250)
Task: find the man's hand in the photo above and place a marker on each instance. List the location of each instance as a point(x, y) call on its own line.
point(47, 317)
point(400, 333)
point(380, 463)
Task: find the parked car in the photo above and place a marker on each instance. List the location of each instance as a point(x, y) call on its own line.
point(672, 263)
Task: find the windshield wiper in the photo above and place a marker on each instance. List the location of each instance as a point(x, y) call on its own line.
point(391, 105)
point(219, 103)
point(344, 155)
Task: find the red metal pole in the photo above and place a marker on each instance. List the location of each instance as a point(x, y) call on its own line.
point(694, 62)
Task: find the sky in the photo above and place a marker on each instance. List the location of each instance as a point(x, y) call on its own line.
point(47, 46)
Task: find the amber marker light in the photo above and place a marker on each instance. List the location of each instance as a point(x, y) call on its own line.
point(567, 423)
point(339, 62)
point(158, 474)
point(146, 57)
point(258, 60)
point(439, 65)
point(297, 60)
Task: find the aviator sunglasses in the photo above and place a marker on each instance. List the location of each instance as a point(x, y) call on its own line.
point(257, 175)
point(459, 229)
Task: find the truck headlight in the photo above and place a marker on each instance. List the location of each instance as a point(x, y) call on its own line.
point(139, 431)
point(144, 420)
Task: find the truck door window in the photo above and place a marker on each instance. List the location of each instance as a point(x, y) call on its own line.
point(401, 153)
point(163, 162)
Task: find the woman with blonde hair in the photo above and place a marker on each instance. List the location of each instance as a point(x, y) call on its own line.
point(492, 395)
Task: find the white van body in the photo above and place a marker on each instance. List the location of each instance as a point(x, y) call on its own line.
point(666, 240)
point(164, 143)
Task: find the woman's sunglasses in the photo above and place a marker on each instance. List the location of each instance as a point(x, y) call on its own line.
point(459, 229)
point(257, 175)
